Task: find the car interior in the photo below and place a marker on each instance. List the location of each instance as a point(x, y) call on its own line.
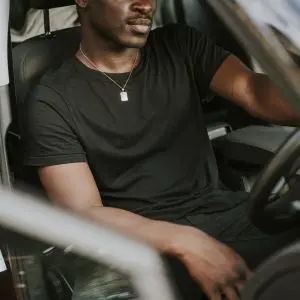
point(243, 144)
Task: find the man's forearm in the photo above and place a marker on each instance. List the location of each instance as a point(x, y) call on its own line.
point(268, 104)
point(72, 186)
point(165, 237)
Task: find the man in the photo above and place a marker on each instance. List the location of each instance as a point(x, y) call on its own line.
point(117, 134)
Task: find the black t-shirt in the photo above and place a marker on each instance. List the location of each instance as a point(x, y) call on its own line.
point(150, 155)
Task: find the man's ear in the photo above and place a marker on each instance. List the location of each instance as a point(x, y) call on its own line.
point(82, 3)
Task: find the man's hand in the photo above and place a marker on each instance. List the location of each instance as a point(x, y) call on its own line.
point(217, 268)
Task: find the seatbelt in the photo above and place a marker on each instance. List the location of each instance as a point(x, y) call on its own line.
point(47, 22)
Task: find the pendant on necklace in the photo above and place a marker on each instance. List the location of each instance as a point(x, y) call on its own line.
point(124, 96)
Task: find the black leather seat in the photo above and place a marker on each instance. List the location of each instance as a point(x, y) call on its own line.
point(32, 58)
point(30, 61)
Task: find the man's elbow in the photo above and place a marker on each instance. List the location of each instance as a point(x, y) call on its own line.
point(252, 93)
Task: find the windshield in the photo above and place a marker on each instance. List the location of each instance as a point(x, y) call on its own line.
point(269, 30)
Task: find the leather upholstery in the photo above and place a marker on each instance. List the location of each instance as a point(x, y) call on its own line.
point(30, 61)
point(32, 58)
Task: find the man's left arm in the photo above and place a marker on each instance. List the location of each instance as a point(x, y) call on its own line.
point(256, 93)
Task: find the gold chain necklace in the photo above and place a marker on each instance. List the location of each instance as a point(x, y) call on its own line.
point(123, 93)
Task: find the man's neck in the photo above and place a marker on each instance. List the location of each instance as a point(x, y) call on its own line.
point(106, 57)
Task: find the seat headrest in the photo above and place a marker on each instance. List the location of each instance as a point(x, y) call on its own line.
point(47, 4)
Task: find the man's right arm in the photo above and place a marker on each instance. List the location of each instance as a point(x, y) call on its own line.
point(210, 263)
point(72, 186)
point(51, 145)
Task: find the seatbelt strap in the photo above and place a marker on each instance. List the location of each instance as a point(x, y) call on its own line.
point(47, 21)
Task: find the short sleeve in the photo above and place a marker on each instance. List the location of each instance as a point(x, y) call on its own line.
point(48, 132)
point(202, 54)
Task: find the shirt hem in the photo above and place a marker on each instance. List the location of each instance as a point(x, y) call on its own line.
point(54, 160)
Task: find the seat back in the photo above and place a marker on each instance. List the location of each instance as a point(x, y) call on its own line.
point(34, 57)
point(31, 59)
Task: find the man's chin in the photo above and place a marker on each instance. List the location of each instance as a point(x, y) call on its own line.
point(136, 41)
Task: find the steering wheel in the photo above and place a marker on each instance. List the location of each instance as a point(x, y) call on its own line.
point(274, 204)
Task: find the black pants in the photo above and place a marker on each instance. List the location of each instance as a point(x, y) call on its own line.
point(234, 229)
